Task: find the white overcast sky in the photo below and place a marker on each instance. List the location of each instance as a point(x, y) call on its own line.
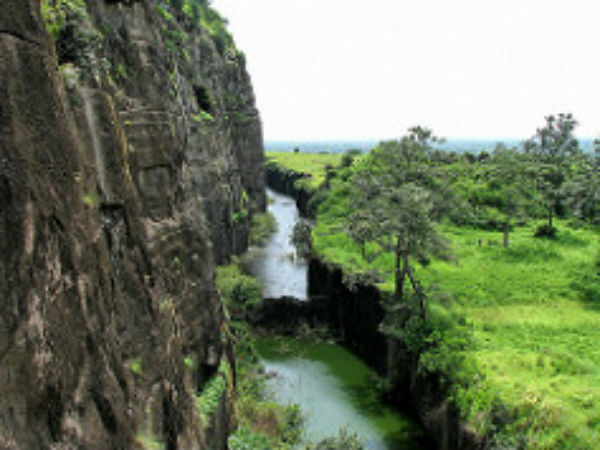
point(368, 69)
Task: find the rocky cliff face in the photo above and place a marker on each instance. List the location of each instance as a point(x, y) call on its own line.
point(130, 162)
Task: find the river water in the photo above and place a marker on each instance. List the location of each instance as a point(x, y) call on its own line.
point(276, 265)
point(333, 387)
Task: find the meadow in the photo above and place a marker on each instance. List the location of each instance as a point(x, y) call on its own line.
point(314, 164)
point(515, 329)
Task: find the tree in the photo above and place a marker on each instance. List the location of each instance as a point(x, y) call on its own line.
point(552, 147)
point(510, 176)
point(301, 238)
point(360, 229)
point(583, 189)
point(395, 204)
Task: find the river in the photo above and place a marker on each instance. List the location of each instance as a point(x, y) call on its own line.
point(333, 387)
point(276, 265)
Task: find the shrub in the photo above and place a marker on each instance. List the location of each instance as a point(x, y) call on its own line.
point(345, 440)
point(301, 238)
point(545, 231)
point(244, 438)
point(263, 225)
point(238, 291)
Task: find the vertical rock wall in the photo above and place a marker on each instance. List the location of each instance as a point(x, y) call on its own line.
point(130, 149)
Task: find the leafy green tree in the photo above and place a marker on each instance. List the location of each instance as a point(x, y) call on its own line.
point(395, 203)
point(552, 148)
point(510, 175)
point(360, 229)
point(301, 238)
point(583, 189)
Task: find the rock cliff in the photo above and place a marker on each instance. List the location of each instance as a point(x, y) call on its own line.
point(130, 163)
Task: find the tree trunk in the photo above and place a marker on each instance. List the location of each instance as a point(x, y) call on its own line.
point(399, 273)
point(407, 271)
point(550, 215)
point(506, 234)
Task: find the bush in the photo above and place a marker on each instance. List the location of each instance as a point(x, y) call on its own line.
point(69, 25)
point(545, 231)
point(263, 225)
point(244, 438)
point(302, 238)
point(345, 440)
point(238, 291)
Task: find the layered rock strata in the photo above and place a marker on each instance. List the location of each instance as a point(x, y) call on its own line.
point(130, 164)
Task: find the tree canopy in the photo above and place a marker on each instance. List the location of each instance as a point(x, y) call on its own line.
point(395, 203)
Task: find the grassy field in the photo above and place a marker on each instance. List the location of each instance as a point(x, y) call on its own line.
point(533, 311)
point(531, 370)
point(310, 163)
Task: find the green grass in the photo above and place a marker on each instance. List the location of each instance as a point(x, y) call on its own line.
point(525, 365)
point(535, 329)
point(312, 164)
point(533, 312)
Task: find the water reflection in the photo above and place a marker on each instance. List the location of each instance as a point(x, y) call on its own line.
point(335, 389)
point(276, 264)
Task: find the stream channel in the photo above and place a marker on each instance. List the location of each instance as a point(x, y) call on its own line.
point(334, 388)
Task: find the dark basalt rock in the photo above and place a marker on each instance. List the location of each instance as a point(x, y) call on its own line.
point(284, 182)
point(117, 200)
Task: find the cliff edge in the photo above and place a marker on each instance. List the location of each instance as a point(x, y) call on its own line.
point(130, 164)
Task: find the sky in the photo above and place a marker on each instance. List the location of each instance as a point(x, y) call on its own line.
point(369, 69)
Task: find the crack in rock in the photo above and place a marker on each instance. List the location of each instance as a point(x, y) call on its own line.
point(21, 37)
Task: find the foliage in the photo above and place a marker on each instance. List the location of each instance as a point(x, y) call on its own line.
point(239, 292)
point(261, 423)
point(245, 438)
point(188, 362)
point(345, 440)
point(263, 226)
point(582, 190)
point(510, 177)
point(136, 366)
point(208, 400)
point(180, 15)
point(301, 238)
point(512, 331)
point(91, 199)
point(394, 205)
point(552, 149)
point(349, 157)
point(70, 27)
point(203, 116)
point(545, 231)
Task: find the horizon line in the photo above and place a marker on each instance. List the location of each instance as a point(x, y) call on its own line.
point(453, 138)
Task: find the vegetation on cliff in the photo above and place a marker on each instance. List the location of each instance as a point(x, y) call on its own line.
point(511, 324)
point(259, 421)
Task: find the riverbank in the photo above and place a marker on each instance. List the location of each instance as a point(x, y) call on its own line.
point(299, 360)
point(300, 175)
point(514, 332)
point(355, 315)
point(335, 390)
